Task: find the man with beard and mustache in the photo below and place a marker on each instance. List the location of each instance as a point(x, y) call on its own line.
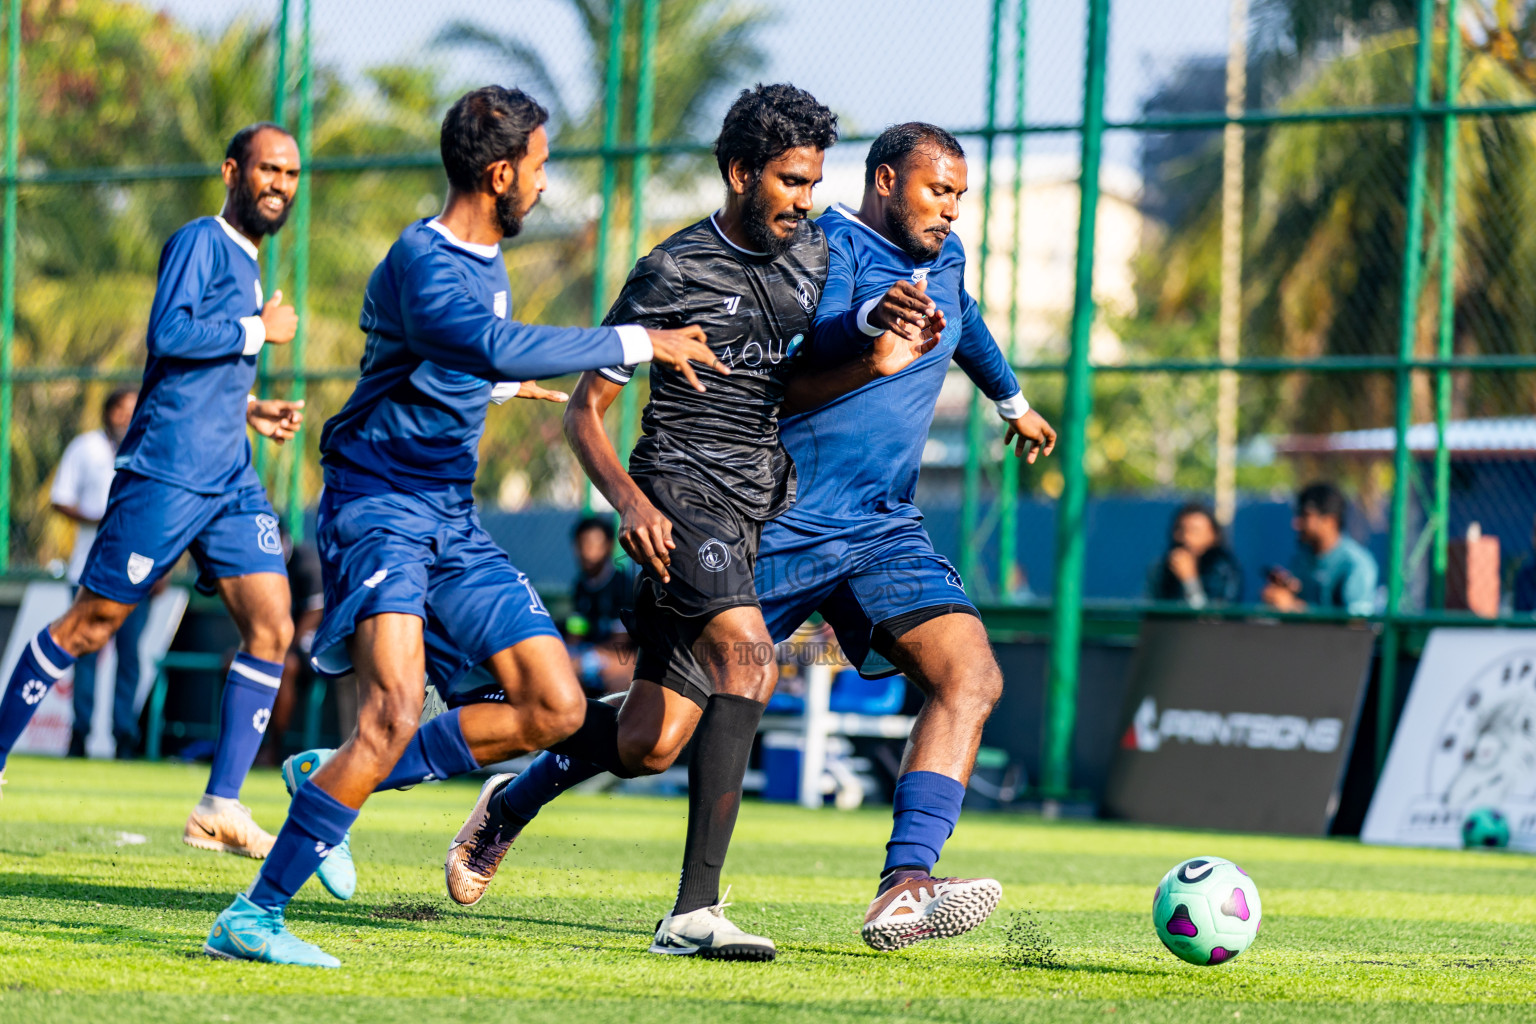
point(852, 546)
point(708, 472)
point(185, 482)
point(403, 555)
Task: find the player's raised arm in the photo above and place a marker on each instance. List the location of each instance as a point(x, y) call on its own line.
point(644, 532)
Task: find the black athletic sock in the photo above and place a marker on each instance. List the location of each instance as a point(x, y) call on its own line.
point(597, 740)
point(721, 745)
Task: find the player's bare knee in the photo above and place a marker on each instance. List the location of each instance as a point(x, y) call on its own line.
point(86, 628)
point(556, 717)
point(268, 638)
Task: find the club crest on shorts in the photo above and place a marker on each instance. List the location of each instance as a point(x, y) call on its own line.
point(714, 556)
point(953, 579)
point(138, 567)
point(267, 537)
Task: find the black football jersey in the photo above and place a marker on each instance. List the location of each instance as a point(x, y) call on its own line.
point(756, 312)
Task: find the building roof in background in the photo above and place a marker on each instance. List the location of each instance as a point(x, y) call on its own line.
point(1512, 437)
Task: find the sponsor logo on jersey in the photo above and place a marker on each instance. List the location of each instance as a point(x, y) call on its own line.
point(920, 274)
point(1150, 729)
point(805, 294)
point(267, 537)
point(714, 556)
point(755, 355)
point(138, 567)
point(732, 304)
point(499, 305)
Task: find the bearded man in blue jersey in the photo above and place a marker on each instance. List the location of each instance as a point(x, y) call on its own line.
point(185, 482)
point(401, 546)
point(852, 545)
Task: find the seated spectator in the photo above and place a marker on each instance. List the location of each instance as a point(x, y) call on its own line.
point(1329, 570)
point(595, 632)
point(1198, 568)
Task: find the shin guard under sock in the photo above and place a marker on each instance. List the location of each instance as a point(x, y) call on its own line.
point(597, 741)
point(437, 751)
point(722, 743)
point(249, 690)
point(925, 810)
point(317, 823)
point(41, 664)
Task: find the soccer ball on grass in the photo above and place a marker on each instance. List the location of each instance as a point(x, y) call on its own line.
point(1206, 911)
point(1485, 827)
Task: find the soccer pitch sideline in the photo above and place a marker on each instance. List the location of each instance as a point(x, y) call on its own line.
point(97, 925)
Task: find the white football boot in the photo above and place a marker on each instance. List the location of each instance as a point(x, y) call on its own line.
point(706, 933)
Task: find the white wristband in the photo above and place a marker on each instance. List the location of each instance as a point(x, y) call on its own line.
point(1013, 408)
point(637, 344)
point(255, 334)
point(863, 318)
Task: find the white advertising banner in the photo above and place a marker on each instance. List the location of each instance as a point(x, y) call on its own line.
point(1467, 739)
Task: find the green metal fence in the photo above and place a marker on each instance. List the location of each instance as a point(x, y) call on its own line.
point(1329, 234)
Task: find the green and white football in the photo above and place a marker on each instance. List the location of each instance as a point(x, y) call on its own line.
point(1206, 911)
point(1485, 828)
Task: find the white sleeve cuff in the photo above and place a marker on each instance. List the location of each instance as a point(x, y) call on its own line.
point(505, 391)
point(637, 344)
point(863, 318)
point(1013, 408)
point(255, 334)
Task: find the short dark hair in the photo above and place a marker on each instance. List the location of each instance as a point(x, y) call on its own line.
point(899, 141)
point(768, 121)
point(600, 523)
point(1323, 498)
point(485, 126)
point(114, 398)
point(239, 148)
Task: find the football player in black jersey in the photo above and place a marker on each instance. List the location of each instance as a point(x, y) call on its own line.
point(708, 471)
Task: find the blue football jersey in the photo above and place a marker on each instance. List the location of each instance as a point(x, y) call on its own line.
point(859, 455)
point(189, 426)
point(438, 318)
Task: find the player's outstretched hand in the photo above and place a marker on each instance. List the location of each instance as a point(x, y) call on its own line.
point(275, 417)
point(281, 322)
point(646, 536)
point(1035, 437)
point(531, 389)
point(905, 305)
point(677, 349)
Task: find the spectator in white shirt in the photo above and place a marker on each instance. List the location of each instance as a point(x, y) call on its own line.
point(80, 489)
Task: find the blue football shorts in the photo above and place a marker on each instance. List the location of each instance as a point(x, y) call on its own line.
point(409, 554)
point(149, 524)
point(872, 581)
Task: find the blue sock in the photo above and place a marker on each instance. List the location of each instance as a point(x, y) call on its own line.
point(317, 822)
point(437, 751)
point(548, 777)
point(927, 807)
point(42, 663)
point(249, 690)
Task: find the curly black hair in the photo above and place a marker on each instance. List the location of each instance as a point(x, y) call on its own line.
point(767, 121)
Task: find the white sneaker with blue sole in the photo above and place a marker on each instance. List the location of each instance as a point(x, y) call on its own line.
point(245, 931)
point(336, 872)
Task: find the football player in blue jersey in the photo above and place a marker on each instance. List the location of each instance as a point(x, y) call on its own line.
point(184, 479)
point(852, 545)
point(402, 550)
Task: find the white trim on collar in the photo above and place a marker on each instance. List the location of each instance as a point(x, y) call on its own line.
point(716, 225)
point(240, 240)
point(483, 251)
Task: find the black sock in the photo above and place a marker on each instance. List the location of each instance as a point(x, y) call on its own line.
point(721, 745)
point(597, 740)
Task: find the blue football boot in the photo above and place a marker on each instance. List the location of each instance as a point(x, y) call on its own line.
point(337, 872)
point(245, 931)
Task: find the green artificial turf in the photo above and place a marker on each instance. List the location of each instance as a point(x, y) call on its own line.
point(96, 928)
